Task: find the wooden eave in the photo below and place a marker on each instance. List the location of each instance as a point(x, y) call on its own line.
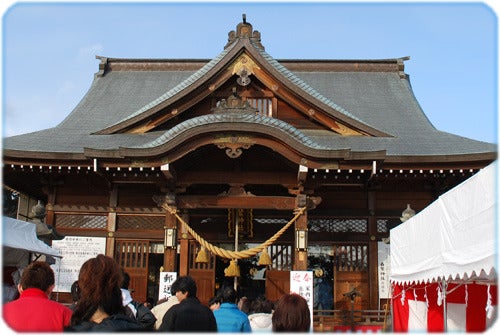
point(219, 74)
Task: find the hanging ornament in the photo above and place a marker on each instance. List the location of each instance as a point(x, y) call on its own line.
point(403, 297)
point(202, 256)
point(440, 296)
point(425, 296)
point(232, 270)
point(489, 306)
point(265, 259)
point(466, 296)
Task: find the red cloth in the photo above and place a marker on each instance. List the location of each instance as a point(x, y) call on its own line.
point(475, 313)
point(34, 311)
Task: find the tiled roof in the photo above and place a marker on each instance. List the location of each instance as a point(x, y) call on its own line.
point(382, 100)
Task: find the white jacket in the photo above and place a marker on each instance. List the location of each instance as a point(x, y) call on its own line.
point(261, 322)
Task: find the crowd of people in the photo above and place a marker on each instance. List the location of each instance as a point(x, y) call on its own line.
point(102, 302)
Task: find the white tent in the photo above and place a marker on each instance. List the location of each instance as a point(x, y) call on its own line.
point(450, 242)
point(18, 238)
point(453, 238)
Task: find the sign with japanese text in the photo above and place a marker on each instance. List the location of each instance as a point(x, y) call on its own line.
point(166, 281)
point(384, 270)
point(75, 251)
point(301, 283)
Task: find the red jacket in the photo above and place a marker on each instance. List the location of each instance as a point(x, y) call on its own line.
point(34, 311)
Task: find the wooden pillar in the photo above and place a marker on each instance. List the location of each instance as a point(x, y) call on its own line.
point(49, 207)
point(184, 249)
point(300, 257)
point(169, 254)
point(372, 252)
point(111, 225)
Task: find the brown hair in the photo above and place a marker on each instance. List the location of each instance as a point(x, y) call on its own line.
point(37, 275)
point(291, 314)
point(99, 283)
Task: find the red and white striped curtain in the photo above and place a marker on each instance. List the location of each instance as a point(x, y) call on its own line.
point(470, 307)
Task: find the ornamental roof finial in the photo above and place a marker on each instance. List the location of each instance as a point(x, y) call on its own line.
point(244, 30)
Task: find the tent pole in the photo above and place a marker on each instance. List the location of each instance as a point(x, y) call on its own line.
point(445, 312)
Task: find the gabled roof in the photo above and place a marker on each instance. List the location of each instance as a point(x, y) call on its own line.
point(206, 75)
point(367, 106)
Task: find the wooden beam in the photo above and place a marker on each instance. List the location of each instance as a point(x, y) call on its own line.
point(240, 177)
point(255, 202)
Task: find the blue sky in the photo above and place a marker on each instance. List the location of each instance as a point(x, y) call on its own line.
point(49, 49)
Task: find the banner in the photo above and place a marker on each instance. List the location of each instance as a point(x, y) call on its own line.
point(301, 282)
point(75, 251)
point(384, 270)
point(166, 281)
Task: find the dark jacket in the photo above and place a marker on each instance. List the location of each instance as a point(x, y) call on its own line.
point(189, 315)
point(113, 323)
point(143, 314)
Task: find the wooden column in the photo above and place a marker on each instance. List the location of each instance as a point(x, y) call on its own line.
point(372, 252)
point(169, 254)
point(111, 226)
point(184, 250)
point(300, 257)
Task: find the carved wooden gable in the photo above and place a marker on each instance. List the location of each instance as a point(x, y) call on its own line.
point(244, 79)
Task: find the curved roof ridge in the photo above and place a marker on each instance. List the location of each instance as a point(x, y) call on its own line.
point(305, 86)
point(178, 88)
point(233, 117)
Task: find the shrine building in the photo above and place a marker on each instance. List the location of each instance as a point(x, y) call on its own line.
point(310, 162)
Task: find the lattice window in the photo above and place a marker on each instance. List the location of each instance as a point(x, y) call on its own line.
point(277, 221)
point(281, 256)
point(332, 225)
point(130, 222)
point(81, 221)
point(352, 257)
point(386, 224)
point(132, 254)
point(264, 105)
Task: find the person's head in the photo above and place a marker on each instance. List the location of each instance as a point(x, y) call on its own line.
point(184, 287)
point(37, 275)
point(291, 314)
point(262, 305)
point(214, 303)
point(228, 294)
point(75, 291)
point(245, 304)
point(99, 283)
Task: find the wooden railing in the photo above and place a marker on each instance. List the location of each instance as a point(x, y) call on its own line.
point(347, 320)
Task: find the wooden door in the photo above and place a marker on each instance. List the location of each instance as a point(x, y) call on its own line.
point(350, 273)
point(133, 255)
point(277, 284)
point(202, 273)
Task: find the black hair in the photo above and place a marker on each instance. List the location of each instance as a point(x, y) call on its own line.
point(228, 294)
point(184, 284)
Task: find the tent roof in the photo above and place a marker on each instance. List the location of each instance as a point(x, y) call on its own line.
point(19, 234)
point(453, 238)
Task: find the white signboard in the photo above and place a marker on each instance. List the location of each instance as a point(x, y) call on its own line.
point(75, 251)
point(384, 270)
point(301, 282)
point(166, 281)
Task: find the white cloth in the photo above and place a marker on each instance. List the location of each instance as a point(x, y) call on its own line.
point(127, 299)
point(261, 322)
point(452, 238)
